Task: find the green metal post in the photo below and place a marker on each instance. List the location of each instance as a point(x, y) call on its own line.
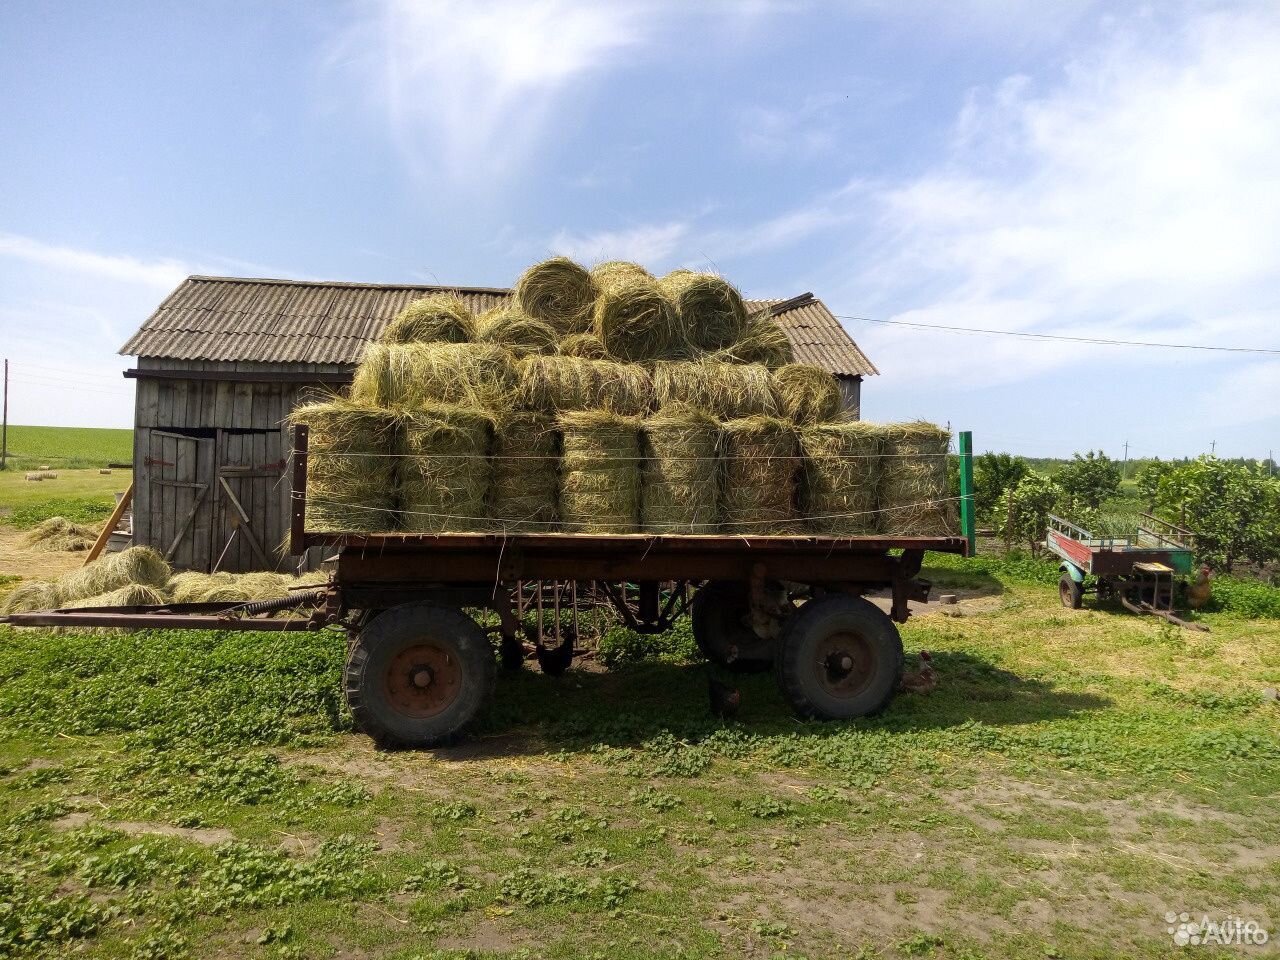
point(967, 523)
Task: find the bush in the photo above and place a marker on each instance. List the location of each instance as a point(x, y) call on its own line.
point(1023, 511)
point(1249, 599)
point(1232, 508)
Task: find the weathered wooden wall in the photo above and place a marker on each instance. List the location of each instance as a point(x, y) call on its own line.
point(851, 391)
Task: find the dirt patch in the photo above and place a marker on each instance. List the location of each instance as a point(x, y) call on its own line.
point(968, 603)
point(488, 936)
point(18, 560)
point(207, 836)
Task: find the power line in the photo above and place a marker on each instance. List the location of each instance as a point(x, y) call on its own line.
point(1061, 336)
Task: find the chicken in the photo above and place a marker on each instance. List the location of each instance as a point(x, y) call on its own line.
point(1200, 590)
point(922, 680)
point(724, 698)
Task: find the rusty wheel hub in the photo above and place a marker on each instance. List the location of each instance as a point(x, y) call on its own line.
point(843, 663)
point(423, 680)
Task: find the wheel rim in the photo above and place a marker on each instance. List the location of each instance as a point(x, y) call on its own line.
point(1065, 591)
point(423, 680)
point(843, 662)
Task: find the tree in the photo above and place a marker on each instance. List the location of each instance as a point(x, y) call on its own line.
point(1024, 510)
point(1089, 480)
point(1148, 480)
point(993, 474)
point(1233, 510)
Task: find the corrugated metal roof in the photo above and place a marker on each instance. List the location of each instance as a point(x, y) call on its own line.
point(296, 321)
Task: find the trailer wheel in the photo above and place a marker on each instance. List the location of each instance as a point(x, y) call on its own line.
point(719, 613)
point(418, 674)
point(1070, 592)
point(840, 657)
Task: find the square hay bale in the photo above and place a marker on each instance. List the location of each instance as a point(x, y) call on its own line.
point(839, 486)
point(404, 376)
point(679, 482)
point(729, 391)
point(559, 292)
point(351, 467)
point(710, 308)
point(600, 472)
point(915, 496)
point(559, 384)
point(807, 394)
point(761, 468)
point(444, 470)
point(526, 472)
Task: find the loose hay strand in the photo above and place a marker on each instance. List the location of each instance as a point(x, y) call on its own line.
point(436, 317)
point(559, 292)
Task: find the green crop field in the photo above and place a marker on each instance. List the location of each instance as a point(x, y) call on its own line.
point(68, 447)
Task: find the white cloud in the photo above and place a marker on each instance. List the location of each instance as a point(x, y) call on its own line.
point(651, 244)
point(161, 274)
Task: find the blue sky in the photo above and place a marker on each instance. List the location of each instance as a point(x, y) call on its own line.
point(1097, 169)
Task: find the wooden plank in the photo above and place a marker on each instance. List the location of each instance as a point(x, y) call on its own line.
point(184, 498)
point(222, 400)
point(242, 406)
point(169, 494)
point(182, 531)
point(141, 486)
point(112, 520)
point(246, 530)
point(146, 403)
point(202, 532)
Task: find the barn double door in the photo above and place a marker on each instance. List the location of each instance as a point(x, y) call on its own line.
point(216, 502)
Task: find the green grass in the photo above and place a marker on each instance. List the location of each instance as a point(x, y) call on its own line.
point(181, 794)
point(66, 448)
point(83, 496)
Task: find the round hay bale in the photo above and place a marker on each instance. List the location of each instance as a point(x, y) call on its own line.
point(760, 476)
point(510, 329)
point(618, 271)
point(558, 384)
point(730, 391)
point(130, 595)
point(679, 481)
point(436, 317)
point(351, 467)
point(586, 346)
point(807, 394)
point(141, 565)
point(32, 595)
point(600, 472)
point(404, 376)
point(710, 308)
point(526, 472)
point(636, 322)
point(915, 496)
point(559, 292)
point(445, 469)
point(839, 487)
point(763, 341)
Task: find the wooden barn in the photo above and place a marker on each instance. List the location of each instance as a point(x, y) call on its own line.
point(222, 362)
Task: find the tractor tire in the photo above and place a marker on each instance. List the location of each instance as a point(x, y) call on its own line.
point(720, 613)
point(417, 675)
point(1070, 592)
point(840, 657)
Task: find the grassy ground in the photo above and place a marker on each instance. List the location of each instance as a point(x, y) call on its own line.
point(1076, 775)
point(68, 447)
point(85, 496)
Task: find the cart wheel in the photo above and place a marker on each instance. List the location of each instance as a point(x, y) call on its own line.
point(719, 612)
point(1070, 592)
point(418, 674)
point(840, 657)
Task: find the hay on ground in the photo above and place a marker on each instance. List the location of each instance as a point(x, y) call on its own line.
point(351, 473)
point(679, 489)
point(763, 341)
point(759, 474)
point(31, 595)
point(405, 376)
point(137, 565)
point(130, 595)
point(914, 492)
point(618, 271)
point(194, 587)
point(191, 586)
point(437, 317)
point(600, 472)
point(636, 322)
point(730, 391)
point(807, 394)
point(526, 472)
point(841, 477)
point(60, 534)
point(445, 471)
point(559, 384)
point(710, 308)
point(559, 292)
point(510, 329)
point(587, 346)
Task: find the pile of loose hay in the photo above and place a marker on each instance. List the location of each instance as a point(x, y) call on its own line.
point(679, 488)
point(59, 534)
point(730, 391)
point(560, 384)
point(841, 477)
point(137, 565)
point(584, 345)
point(760, 474)
point(807, 394)
point(600, 472)
point(437, 317)
point(763, 341)
point(194, 587)
point(507, 327)
point(915, 498)
point(407, 375)
point(445, 469)
point(32, 595)
point(351, 470)
point(710, 308)
point(526, 472)
point(636, 322)
point(130, 595)
point(559, 292)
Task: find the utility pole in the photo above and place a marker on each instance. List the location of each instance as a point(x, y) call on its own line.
point(1124, 470)
point(1213, 445)
point(4, 423)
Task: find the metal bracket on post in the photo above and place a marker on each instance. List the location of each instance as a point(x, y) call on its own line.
point(968, 523)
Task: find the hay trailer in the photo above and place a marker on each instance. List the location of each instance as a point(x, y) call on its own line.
point(420, 667)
